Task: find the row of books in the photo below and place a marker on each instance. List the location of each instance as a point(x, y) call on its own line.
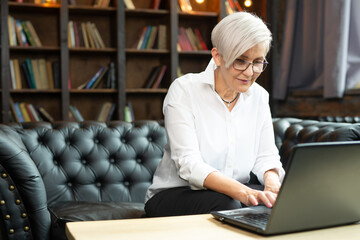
point(27, 112)
point(38, 74)
point(84, 34)
point(151, 37)
point(190, 40)
point(22, 33)
point(155, 77)
point(232, 6)
point(105, 77)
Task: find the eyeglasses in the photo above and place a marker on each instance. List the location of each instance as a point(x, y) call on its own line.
point(257, 67)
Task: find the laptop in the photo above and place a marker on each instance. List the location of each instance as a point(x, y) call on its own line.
point(319, 191)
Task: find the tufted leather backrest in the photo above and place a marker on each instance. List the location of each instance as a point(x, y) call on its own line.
point(291, 131)
point(93, 161)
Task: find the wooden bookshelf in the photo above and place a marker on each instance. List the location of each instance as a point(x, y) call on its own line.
point(119, 29)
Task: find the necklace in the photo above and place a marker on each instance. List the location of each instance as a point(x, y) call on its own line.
point(229, 102)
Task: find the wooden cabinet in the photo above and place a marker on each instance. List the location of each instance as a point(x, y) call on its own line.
point(120, 30)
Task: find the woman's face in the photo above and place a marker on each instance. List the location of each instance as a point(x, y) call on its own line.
point(241, 80)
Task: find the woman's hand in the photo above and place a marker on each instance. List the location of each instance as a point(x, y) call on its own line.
point(253, 197)
point(272, 181)
point(250, 197)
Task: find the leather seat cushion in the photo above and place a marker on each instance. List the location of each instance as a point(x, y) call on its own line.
point(64, 212)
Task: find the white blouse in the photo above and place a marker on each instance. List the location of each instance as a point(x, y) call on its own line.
point(203, 136)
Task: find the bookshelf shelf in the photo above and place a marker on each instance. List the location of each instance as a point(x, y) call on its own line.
point(93, 91)
point(145, 90)
point(34, 91)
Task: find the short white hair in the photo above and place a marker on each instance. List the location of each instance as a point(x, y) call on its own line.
point(237, 33)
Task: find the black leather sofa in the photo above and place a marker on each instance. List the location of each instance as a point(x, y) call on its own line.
point(67, 171)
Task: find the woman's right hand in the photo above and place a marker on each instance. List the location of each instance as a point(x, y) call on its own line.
point(251, 197)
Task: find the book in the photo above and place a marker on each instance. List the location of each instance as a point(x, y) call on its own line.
point(101, 77)
point(13, 111)
point(18, 112)
point(21, 34)
point(94, 78)
point(129, 4)
point(97, 35)
point(85, 35)
point(33, 112)
point(159, 77)
point(26, 73)
point(89, 35)
point(111, 112)
point(111, 80)
point(155, 4)
point(146, 37)
point(202, 42)
point(162, 38)
point(17, 74)
point(127, 114)
point(141, 37)
point(131, 110)
point(24, 112)
point(36, 73)
point(45, 115)
point(43, 75)
point(76, 113)
point(29, 37)
point(33, 34)
point(104, 112)
point(152, 77)
point(12, 75)
point(31, 72)
point(153, 35)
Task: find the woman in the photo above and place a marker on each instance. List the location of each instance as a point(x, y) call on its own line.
point(219, 129)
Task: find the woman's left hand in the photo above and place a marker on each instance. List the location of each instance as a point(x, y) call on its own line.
point(272, 181)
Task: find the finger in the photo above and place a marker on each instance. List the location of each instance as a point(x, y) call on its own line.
point(271, 196)
point(253, 200)
point(263, 197)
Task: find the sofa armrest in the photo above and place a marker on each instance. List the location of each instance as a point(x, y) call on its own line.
point(22, 195)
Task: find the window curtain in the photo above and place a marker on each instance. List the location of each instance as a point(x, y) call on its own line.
point(320, 48)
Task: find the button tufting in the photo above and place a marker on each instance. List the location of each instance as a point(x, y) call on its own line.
point(12, 187)
point(123, 140)
point(2, 202)
point(23, 215)
point(98, 184)
point(26, 228)
point(150, 139)
point(17, 201)
point(126, 183)
point(11, 230)
point(112, 160)
point(4, 175)
point(69, 184)
point(96, 140)
point(139, 160)
point(84, 161)
point(7, 216)
point(56, 162)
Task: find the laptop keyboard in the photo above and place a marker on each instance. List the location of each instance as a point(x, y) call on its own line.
point(258, 220)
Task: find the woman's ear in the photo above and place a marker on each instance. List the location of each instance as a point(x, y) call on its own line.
point(216, 56)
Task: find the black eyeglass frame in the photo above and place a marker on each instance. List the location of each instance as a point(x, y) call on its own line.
point(264, 63)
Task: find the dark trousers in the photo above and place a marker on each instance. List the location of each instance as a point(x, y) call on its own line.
point(184, 201)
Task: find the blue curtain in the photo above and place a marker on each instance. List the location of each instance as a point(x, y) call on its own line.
point(320, 48)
